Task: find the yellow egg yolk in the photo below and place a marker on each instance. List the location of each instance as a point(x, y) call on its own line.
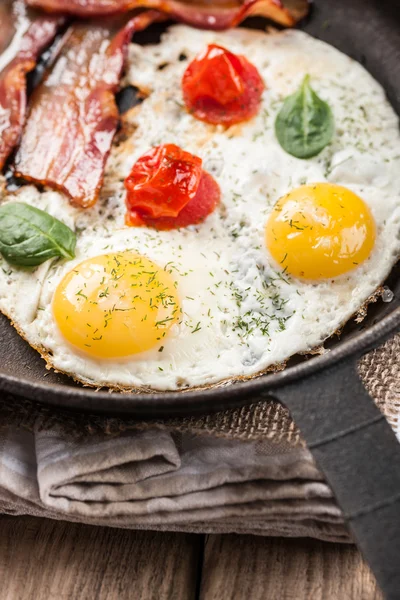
point(116, 305)
point(320, 231)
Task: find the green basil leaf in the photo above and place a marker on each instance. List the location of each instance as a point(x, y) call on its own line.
point(29, 236)
point(305, 123)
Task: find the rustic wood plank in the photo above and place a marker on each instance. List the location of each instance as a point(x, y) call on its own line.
point(44, 560)
point(238, 567)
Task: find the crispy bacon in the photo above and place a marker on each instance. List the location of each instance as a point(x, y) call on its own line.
point(205, 14)
point(73, 115)
point(22, 39)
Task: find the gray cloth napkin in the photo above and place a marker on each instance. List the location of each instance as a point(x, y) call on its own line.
point(157, 480)
point(185, 477)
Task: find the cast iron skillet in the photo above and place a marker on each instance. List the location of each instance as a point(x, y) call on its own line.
point(350, 440)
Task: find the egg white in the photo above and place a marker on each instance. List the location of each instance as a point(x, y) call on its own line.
point(241, 314)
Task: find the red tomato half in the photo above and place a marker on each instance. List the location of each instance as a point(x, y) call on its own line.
point(167, 189)
point(220, 87)
point(163, 181)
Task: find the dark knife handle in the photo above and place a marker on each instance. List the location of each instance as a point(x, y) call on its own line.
point(359, 454)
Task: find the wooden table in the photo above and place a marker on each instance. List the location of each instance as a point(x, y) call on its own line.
point(44, 560)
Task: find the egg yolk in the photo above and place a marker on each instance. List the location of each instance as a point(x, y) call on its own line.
point(116, 305)
point(320, 231)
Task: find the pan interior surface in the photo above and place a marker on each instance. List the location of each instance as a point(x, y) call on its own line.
point(368, 32)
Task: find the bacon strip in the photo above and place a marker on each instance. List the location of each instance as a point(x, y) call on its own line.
point(23, 37)
point(204, 14)
point(73, 115)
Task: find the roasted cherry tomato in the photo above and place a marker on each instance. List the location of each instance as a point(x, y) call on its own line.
point(167, 188)
point(220, 87)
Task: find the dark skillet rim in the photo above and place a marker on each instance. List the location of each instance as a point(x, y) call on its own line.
point(206, 400)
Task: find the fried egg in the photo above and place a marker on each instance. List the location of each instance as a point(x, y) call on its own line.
point(259, 280)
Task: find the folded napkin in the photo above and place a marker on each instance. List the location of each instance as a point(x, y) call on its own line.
point(244, 471)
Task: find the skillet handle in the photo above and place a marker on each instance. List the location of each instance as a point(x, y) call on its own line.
point(359, 454)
